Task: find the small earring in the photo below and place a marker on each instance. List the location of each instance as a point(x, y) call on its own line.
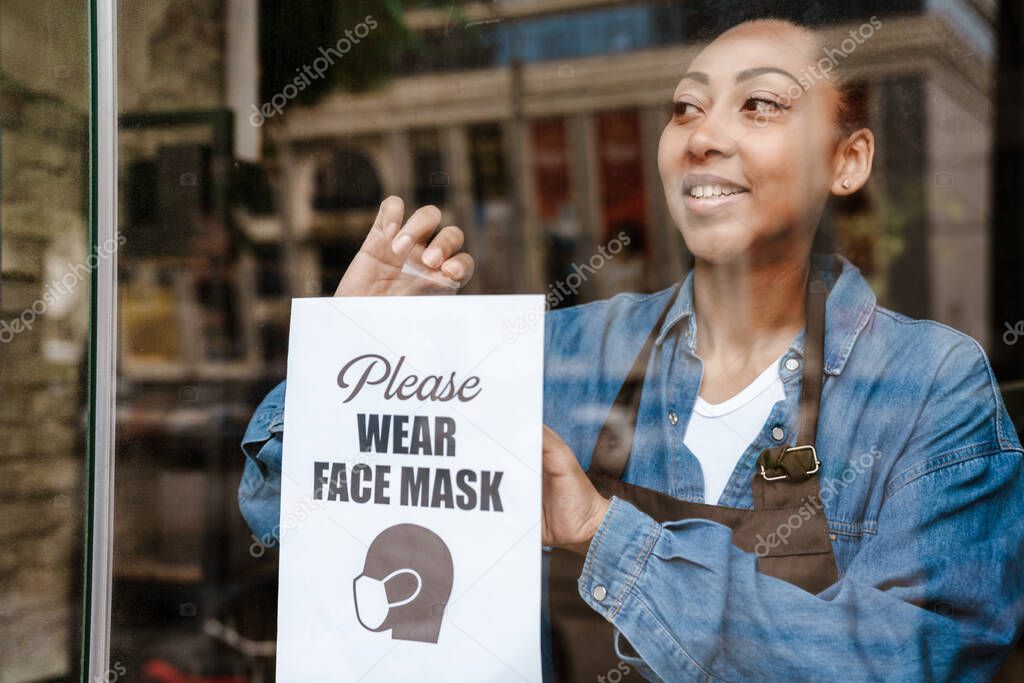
point(846, 183)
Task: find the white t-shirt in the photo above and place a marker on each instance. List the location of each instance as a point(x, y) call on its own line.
point(719, 433)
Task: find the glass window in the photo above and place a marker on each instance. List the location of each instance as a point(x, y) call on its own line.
point(582, 156)
point(251, 170)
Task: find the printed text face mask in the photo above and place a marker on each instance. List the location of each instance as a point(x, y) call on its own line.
point(371, 598)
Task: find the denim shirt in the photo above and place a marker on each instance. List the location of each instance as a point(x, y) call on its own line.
point(922, 485)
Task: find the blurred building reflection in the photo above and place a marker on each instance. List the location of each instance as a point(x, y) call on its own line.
point(568, 106)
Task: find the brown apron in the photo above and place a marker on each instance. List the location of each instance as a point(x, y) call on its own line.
point(582, 640)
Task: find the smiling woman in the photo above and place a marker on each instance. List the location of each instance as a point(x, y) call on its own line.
point(706, 502)
point(748, 161)
point(753, 150)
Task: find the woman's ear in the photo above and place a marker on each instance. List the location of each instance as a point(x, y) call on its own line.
point(853, 159)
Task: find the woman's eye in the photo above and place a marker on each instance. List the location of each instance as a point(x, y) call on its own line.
point(762, 106)
point(684, 108)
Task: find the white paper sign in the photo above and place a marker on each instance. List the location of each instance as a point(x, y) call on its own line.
point(411, 490)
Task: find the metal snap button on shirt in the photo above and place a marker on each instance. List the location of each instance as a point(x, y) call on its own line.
point(778, 433)
point(599, 593)
point(673, 417)
point(792, 364)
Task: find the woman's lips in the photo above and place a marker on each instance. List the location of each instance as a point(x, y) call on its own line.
point(705, 206)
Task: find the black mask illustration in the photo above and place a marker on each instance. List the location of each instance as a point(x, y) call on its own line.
point(405, 585)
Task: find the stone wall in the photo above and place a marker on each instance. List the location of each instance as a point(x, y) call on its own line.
point(43, 337)
point(44, 95)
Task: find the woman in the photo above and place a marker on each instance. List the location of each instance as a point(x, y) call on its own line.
point(886, 543)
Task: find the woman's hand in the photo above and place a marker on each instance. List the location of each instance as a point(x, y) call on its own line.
point(572, 507)
point(376, 270)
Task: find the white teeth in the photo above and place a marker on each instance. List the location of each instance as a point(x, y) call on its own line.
point(700, 191)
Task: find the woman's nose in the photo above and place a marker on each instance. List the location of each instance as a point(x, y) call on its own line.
point(710, 137)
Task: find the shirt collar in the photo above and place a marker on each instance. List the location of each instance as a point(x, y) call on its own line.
point(847, 310)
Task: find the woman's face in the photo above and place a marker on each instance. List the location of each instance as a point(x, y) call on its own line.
point(747, 159)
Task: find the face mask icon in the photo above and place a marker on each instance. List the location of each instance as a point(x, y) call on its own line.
point(371, 597)
point(405, 584)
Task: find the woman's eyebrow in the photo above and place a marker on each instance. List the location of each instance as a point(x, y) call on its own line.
point(757, 71)
point(702, 77)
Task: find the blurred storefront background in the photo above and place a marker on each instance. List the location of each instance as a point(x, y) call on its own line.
point(257, 139)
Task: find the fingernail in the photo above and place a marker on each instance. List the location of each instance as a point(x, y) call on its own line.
point(401, 244)
point(432, 257)
point(391, 229)
point(451, 270)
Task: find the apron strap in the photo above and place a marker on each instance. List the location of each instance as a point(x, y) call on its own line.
point(800, 462)
point(814, 360)
point(615, 440)
point(785, 475)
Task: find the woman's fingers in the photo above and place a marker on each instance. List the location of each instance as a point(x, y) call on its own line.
point(417, 230)
point(389, 217)
point(459, 267)
point(391, 259)
point(414, 248)
point(558, 457)
point(445, 244)
point(377, 244)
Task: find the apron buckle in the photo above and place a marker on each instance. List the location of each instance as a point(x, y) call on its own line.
point(798, 467)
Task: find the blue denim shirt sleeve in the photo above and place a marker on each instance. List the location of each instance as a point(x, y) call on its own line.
point(259, 493)
point(935, 594)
